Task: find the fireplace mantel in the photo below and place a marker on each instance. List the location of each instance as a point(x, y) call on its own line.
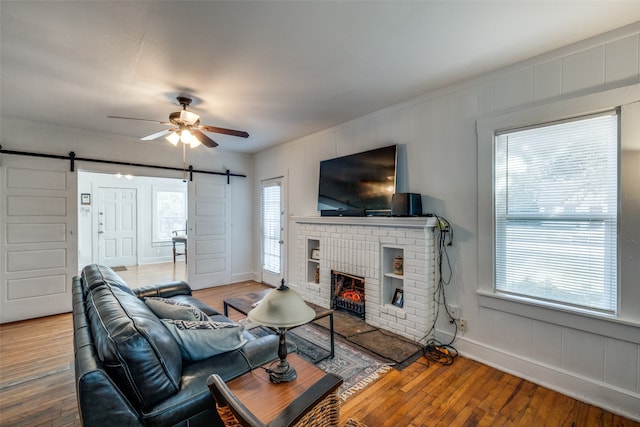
point(374, 221)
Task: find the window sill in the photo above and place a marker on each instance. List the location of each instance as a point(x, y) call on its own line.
point(609, 326)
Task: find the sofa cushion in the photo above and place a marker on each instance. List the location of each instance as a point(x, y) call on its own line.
point(166, 308)
point(200, 340)
point(135, 347)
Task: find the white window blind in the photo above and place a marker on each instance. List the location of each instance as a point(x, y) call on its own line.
point(556, 212)
point(271, 217)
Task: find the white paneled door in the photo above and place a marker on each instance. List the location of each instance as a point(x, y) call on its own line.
point(38, 252)
point(209, 232)
point(117, 226)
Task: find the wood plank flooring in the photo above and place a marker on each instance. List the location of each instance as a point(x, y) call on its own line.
point(37, 385)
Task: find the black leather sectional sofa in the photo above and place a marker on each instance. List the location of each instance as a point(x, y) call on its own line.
point(130, 368)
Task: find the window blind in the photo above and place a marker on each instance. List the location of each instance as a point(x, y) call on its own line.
point(555, 207)
point(271, 227)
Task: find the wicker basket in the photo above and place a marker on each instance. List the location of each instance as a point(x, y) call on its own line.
point(325, 414)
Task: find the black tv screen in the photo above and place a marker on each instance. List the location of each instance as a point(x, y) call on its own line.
point(364, 180)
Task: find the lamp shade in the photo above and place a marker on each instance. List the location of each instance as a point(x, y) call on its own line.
point(282, 308)
point(173, 138)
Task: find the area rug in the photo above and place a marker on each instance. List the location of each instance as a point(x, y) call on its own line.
point(356, 368)
point(120, 268)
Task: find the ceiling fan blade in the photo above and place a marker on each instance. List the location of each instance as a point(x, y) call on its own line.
point(204, 139)
point(142, 120)
point(232, 132)
point(158, 134)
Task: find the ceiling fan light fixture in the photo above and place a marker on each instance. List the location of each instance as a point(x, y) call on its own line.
point(186, 127)
point(189, 118)
point(173, 138)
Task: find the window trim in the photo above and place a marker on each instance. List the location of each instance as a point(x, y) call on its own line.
point(609, 325)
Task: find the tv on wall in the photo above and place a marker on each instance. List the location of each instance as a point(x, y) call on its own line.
point(358, 184)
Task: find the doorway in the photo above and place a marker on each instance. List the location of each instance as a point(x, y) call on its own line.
point(125, 220)
point(273, 230)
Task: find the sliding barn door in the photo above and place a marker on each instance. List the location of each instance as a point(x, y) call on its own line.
point(39, 249)
point(209, 231)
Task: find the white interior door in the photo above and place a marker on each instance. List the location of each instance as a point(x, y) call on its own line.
point(38, 252)
point(273, 227)
point(117, 243)
point(209, 232)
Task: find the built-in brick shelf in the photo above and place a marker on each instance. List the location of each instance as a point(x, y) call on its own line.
point(367, 247)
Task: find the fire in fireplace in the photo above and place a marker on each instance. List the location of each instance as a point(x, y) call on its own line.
point(347, 292)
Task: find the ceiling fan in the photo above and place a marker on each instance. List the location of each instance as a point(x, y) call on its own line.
point(186, 127)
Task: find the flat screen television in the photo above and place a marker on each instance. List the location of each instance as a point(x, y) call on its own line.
point(362, 182)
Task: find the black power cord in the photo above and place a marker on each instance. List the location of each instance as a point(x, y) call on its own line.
point(434, 351)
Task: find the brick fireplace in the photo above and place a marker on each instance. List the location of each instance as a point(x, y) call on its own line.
point(369, 248)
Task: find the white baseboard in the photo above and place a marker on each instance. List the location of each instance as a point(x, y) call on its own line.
point(602, 395)
point(243, 277)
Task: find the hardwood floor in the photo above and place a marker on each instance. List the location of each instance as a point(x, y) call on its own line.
point(37, 385)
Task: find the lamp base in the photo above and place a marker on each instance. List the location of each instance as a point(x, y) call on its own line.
point(282, 373)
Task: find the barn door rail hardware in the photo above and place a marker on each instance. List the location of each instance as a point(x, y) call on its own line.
point(73, 158)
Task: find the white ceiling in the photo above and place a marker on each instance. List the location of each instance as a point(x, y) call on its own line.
point(276, 69)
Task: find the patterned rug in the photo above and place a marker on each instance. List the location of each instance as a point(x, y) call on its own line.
point(356, 368)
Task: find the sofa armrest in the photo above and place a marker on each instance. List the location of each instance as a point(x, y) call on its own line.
point(100, 401)
point(164, 290)
point(262, 350)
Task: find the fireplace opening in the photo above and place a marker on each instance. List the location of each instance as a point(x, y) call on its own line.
point(347, 292)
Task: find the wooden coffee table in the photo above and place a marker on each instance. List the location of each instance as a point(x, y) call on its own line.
point(244, 304)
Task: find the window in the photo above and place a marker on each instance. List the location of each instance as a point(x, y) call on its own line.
point(170, 213)
point(271, 227)
point(555, 212)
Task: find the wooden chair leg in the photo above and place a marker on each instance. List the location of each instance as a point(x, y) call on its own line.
point(174, 252)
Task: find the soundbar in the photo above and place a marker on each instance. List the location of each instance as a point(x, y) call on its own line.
point(342, 212)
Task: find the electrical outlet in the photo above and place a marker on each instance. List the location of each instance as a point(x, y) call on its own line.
point(462, 325)
point(454, 310)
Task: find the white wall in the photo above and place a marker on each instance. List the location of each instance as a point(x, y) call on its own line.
point(30, 136)
point(438, 133)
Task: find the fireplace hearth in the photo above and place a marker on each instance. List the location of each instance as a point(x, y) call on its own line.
point(348, 293)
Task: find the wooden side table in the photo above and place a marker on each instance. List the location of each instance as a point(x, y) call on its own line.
point(244, 304)
point(265, 399)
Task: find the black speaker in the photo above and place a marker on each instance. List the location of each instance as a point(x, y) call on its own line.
point(406, 204)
